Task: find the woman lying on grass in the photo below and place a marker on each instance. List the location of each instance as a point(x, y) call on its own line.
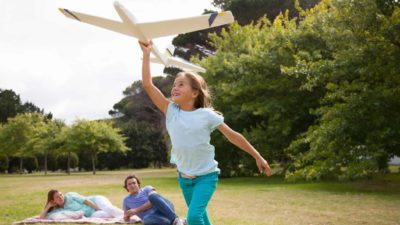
point(74, 206)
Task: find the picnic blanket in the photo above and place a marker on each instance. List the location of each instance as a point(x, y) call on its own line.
point(84, 220)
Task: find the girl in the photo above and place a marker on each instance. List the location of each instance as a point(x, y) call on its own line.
point(190, 121)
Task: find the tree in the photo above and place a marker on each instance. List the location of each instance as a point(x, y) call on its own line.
point(94, 137)
point(255, 97)
point(11, 105)
point(43, 140)
point(16, 134)
point(63, 145)
point(356, 130)
point(143, 124)
point(247, 12)
point(315, 92)
point(197, 44)
point(146, 144)
point(3, 153)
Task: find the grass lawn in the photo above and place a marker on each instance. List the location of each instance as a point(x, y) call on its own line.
point(257, 200)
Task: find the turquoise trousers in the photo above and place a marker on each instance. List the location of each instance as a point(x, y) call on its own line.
point(198, 193)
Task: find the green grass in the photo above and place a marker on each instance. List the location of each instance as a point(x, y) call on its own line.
point(253, 201)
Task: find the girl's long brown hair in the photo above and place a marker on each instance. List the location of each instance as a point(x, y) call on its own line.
point(197, 82)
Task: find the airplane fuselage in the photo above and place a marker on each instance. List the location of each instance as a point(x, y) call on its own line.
point(131, 21)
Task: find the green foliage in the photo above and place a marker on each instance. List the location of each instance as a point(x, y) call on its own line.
point(249, 11)
point(144, 125)
point(256, 98)
point(197, 44)
point(4, 161)
point(92, 137)
point(146, 143)
point(387, 6)
point(357, 128)
point(109, 160)
point(63, 158)
point(15, 135)
point(319, 94)
point(31, 164)
point(11, 105)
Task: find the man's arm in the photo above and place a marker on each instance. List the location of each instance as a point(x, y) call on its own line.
point(142, 208)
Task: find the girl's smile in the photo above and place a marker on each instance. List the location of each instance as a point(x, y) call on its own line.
point(182, 92)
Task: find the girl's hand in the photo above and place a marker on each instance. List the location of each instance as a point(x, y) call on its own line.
point(146, 48)
point(263, 166)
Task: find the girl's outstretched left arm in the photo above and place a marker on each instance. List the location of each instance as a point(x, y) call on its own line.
point(241, 142)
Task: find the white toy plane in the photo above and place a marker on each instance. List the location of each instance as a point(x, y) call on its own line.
point(148, 31)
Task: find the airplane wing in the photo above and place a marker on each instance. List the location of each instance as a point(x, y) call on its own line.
point(180, 26)
point(100, 22)
point(180, 63)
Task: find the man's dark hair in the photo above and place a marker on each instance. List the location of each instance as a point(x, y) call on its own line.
point(131, 177)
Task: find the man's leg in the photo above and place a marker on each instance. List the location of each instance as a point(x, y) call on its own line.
point(156, 218)
point(163, 206)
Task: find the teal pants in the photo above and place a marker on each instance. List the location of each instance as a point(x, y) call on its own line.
point(198, 193)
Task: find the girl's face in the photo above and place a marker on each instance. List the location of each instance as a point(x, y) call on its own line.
point(182, 92)
point(58, 198)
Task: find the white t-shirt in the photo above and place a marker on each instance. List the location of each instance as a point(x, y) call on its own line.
point(190, 136)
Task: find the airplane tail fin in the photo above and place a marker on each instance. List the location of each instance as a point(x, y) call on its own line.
point(169, 51)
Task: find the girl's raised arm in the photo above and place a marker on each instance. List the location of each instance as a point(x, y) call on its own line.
point(155, 94)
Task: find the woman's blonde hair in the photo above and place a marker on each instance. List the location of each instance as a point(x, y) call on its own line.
point(197, 82)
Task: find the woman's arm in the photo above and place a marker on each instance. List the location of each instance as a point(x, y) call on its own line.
point(155, 94)
point(43, 214)
point(91, 204)
point(241, 142)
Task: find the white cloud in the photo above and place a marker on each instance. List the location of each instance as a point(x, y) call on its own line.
point(72, 69)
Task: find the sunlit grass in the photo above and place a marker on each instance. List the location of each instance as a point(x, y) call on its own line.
point(257, 200)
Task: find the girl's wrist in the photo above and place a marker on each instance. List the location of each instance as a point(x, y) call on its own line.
point(257, 156)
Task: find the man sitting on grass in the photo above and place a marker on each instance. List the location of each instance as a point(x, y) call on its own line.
point(151, 207)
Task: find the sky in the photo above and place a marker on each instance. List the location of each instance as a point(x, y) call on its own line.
point(72, 69)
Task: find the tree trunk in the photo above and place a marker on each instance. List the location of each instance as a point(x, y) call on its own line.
point(21, 165)
point(45, 163)
point(69, 163)
point(7, 164)
point(94, 164)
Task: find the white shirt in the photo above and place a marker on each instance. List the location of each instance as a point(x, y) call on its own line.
point(190, 136)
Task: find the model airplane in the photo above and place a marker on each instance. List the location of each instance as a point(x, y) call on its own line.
point(148, 31)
